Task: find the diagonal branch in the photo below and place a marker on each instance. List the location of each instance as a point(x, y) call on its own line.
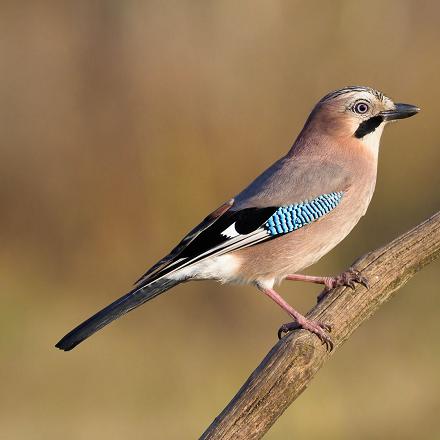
point(292, 363)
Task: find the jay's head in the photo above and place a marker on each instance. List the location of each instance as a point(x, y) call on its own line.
point(359, 113)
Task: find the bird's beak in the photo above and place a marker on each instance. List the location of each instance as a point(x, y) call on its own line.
point(400, 111)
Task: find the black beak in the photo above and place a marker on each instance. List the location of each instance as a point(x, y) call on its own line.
point(400, 111)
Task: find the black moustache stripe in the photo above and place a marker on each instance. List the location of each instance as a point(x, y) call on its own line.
point(368, 126)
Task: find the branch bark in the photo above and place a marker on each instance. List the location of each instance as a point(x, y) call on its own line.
point(292, 363)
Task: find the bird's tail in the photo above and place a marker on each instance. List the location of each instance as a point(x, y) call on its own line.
point(130, 301)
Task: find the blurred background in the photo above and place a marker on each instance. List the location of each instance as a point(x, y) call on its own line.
point(114, 113)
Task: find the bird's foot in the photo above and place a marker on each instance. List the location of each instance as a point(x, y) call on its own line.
point(320, 329)
point(348, 278)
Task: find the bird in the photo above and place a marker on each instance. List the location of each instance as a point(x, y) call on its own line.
point(290, 216)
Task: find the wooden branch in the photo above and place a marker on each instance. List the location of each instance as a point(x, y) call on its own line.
point(292, 363)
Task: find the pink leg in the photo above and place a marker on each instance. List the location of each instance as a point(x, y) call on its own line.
point(347, 278)
point(327, 281)
point(318, 328)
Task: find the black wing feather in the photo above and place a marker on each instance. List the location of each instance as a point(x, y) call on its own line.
point(208, 235)
point(174, 254)
point(246, 221)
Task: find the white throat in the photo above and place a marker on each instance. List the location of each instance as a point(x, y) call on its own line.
point(372, 140)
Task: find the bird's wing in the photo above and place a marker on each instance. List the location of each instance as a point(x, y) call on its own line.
point(184, 243)
point(227, 230)
point(210, 237)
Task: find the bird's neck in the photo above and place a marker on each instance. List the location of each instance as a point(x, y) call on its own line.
point(312, 142)
point(358, 157)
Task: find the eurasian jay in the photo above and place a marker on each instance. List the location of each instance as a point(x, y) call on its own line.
point(286, 219)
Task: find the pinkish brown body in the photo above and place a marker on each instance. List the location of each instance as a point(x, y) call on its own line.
point(336, 152)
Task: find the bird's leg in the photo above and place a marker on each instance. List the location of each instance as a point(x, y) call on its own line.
point(347, 278)
point(318, 328)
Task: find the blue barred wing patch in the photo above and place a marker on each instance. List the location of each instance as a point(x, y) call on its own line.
point(291, 217)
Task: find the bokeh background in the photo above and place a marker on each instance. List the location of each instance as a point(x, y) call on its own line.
point(122, 124)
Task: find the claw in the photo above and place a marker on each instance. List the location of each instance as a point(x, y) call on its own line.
point(281, 330)
point(326, 327)
point(315, 327)
point(364, 282)
point(328, 344)
point(348, 278)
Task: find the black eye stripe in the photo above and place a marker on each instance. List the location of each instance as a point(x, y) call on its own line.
point(368, 126)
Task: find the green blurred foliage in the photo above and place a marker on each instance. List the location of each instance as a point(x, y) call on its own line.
point(122, 124)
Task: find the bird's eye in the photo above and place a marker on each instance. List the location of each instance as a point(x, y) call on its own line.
point(361, 108)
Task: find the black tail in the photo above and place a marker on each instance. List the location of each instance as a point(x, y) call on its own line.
point(130, 301)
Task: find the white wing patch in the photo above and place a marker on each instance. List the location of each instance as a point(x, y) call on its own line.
point(230, 232)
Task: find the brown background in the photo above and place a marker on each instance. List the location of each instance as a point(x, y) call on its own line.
point(122, 124)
